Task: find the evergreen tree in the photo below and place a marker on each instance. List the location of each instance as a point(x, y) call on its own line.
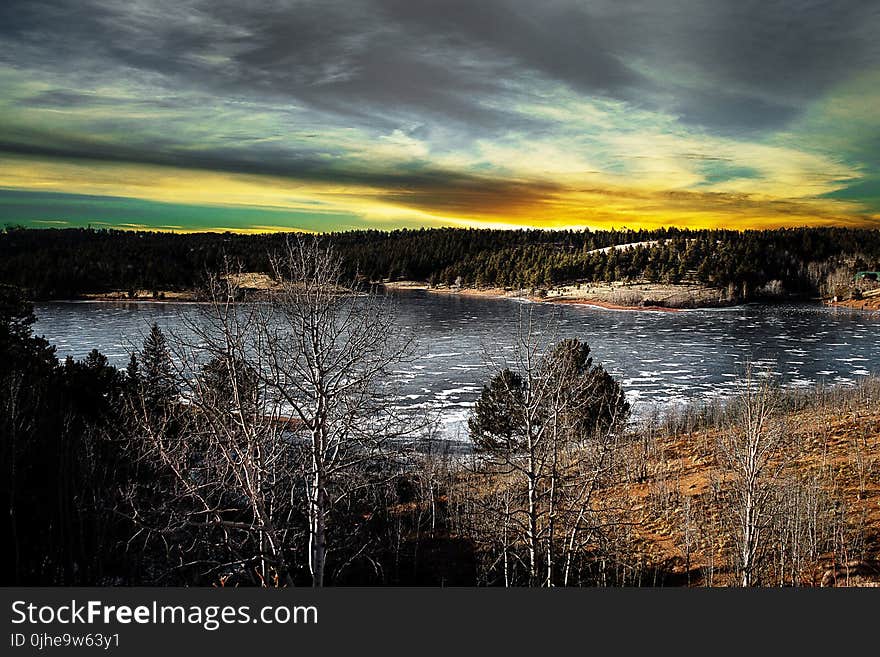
point(157, 370)
point(232, 384)
point(60, 472)
point(595, 401)
point(497, 416)
point(590, 399)
point(131, 370)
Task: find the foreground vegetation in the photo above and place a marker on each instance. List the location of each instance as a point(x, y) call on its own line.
point(262, 446)
point(740, 266)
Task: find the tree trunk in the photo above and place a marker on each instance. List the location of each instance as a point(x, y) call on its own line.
point(317, 521)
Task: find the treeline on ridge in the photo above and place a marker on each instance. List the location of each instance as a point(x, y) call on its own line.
point(65, 263)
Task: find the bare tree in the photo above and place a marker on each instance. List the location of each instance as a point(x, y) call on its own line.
point(328, 353)
point(212, 433)
point(750, 451)
point(543, 428)
point(284, 406)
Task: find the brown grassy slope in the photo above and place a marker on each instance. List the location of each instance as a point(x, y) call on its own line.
point(872, 303)
point(665, 502)
point(836, 442)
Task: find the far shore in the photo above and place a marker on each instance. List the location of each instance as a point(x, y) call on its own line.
point(141, 296)
point(641, 296)
point(190, 296)
point(609, 296)
point(869, 304)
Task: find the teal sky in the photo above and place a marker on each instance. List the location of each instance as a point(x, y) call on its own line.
point(59, 210)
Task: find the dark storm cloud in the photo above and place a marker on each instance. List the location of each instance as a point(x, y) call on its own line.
point(281, 163)
point(750, 63)
point(335, 57)
point(445, 57)
point(731, 66)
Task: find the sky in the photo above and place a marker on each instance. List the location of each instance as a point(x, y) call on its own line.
point(321, 115)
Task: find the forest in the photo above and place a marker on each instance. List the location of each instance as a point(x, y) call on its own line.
point(748, 265)
point(262, 447)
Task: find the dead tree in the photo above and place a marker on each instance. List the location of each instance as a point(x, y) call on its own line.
point(327, 352)
point(542, 427)
point(751, 451)
point(216, 443)
point(284, 405)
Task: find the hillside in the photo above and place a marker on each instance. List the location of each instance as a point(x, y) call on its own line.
point(726, 266)
point(838, 448)
point(663, 516)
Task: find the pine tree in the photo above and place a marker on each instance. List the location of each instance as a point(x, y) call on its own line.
point(231, 384)
point(96, 360)
point(497, 416)
point(157, 371)
point(595, 401)
point(131, 370)
point(590, 398)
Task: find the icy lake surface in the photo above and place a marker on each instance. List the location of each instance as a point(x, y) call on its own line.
point(661, 358)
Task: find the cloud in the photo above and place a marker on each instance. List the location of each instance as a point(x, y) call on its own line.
point(452, 111)
point(441, 57)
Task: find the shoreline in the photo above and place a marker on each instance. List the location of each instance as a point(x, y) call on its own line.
point(682, 297)
point(605, 305)
point(600, 296)
point(467, 292)
point(862, 305)
point(562, 296)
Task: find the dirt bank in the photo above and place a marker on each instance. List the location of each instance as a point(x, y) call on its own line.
point(141, 296)
point(612, 306)
point(643, 295)
point(613, 296)
point(861, 304)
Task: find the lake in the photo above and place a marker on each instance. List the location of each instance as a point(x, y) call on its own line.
point(661, 358)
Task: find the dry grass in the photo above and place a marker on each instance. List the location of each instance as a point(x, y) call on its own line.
point(834, 439)
point(250, 280)
point(642, 293)
point(668, 489)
